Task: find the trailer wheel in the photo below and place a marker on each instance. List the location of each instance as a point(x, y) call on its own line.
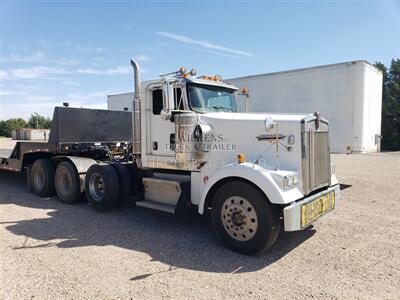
point(101, 186)
point(243, 218)
point(29, 178)
point(42, 177)
point(124, 181)
point(67, 183)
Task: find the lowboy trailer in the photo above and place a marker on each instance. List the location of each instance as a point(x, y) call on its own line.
point(184, 146)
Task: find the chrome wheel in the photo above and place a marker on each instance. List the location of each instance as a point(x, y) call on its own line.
point(96, 187)
point(239, 218)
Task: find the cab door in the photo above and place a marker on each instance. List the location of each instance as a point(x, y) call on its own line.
point(162, 132)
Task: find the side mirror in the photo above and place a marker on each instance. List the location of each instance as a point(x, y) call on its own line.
point(168, 101)
point(245, 92)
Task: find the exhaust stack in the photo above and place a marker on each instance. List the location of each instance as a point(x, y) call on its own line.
point(136, 122)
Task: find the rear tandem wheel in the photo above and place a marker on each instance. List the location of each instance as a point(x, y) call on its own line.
point(42, 177)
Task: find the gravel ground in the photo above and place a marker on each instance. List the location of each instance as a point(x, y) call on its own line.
point(52, 250)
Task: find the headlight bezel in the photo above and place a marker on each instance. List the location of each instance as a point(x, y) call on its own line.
point(290, 181)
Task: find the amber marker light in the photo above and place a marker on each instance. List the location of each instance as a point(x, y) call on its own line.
point(244, 91)
point(241, 158)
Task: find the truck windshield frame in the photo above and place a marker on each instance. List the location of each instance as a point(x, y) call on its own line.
point(203, 98)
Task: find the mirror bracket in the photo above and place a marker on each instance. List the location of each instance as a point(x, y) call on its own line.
point(168, 99)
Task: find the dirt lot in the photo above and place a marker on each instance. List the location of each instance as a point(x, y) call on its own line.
point(52, 250)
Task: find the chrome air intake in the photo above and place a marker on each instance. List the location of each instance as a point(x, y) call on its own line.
point(185, 141)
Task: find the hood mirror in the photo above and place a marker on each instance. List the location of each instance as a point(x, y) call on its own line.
point(269, 123)
point(165, 114)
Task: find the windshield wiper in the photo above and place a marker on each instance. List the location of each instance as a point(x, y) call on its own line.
point(223, 108)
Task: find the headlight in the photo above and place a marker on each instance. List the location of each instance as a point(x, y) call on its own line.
point(290, 181)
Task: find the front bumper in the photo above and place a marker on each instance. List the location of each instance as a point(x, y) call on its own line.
point(292, 213)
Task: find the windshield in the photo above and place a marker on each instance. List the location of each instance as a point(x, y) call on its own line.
point(205, 98)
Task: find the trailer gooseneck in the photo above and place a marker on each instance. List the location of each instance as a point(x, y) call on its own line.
point(185, 146)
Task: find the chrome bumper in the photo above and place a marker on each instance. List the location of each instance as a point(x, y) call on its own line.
point(292, 213)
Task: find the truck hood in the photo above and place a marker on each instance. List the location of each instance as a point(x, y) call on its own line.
point(238, 133)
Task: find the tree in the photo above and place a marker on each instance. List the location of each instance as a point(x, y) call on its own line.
point(38, 121)
point(390, 105)
point(6, 127)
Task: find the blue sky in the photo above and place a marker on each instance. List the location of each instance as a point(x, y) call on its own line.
point(79, 51)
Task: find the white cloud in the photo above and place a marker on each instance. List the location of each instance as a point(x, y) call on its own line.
point(69, 82)
point(219, 53)
point(34, 72)
point(3, 74)
point(43, 41)
point(100, 58)
point(53, 73)
point(11, 92)
point(21, 110)
point(37, 57)
point(79, 97)
point(17, 58)
point(15, 103)
point(205, 44)
point(112, 71)
point(142, 57)
point(67, 62)
point(88, 48)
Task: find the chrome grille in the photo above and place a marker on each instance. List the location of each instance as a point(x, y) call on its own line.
point(316, 169)
point(319, 159)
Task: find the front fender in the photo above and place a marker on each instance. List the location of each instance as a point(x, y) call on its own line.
point(259, 176)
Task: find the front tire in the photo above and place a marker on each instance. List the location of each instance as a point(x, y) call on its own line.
point(101, 186)
point(243, 218)
point(67, 183)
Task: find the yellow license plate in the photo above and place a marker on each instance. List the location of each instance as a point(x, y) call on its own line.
point(316, 208)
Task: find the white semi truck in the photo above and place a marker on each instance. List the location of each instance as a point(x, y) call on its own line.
point(184, 146)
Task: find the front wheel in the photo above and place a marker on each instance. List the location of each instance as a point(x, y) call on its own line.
point(243, 218)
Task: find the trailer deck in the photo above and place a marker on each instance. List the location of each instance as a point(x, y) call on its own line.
point(73, 130)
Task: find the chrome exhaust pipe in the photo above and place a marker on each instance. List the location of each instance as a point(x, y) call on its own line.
point(136, 122)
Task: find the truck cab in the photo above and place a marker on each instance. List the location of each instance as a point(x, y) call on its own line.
point(254, 172)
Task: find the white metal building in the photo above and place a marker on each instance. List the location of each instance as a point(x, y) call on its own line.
point(120, 101)
point(348, 94)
